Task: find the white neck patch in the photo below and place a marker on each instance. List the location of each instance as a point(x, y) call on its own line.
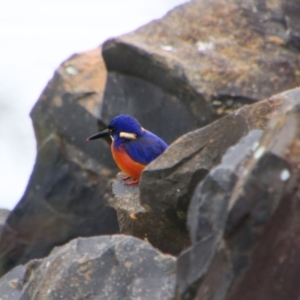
point(127, 135)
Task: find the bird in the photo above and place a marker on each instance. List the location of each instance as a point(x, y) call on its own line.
point(132, 147)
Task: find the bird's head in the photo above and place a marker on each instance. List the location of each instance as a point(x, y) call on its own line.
point(121, 127)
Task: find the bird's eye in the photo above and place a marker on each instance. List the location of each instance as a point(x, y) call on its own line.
point(110, 130)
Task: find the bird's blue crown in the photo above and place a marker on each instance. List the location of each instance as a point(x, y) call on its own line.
point(143, 148)
point(125, 123)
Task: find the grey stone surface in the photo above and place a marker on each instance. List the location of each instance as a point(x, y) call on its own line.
point(11, 284)
point(243, 220)
point(107, 267)
point(168, 183)
point(207, 218)
point(67, 193)
point(263, 222)
point(163, 113)
point(203, 59)
point(290, 18)
point(140, 221)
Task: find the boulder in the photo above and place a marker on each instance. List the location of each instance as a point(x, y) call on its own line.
point(107, 267)
point(207, 217)
point(69, 107)
point(168, 183)
point(262, 233)
point(11, 283)
point(243, 220)
point(157, 210)
point(202, 60)
point(69, 187)
point(230, 173)
point(291, 13)
point(141, 222)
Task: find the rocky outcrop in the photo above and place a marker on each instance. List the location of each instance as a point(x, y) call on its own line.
point(140, 221)
point(168, 183)
point(67, 193)
point(207, 219)
point(223, 197)
point(203, 59)
point(243, 218)
point(262, 228)
point(158, 209)
point(95, 268)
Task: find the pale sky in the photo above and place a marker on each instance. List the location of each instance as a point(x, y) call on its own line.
point(36, 36)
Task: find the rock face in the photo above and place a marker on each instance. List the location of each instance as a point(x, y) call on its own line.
point(224, 198)
point(168, 183)
point(243, 218)
point(144, 223)
point(202, 60)
point(207, 217)
point(157, 210)
point(116, 267)
point(68, 190)
point(269, 237)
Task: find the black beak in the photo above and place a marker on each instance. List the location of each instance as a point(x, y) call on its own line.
point(99, 135)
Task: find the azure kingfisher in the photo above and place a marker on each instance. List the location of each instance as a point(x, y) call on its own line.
point(133, 147)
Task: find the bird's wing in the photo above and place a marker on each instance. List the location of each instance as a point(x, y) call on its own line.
point(146, 148)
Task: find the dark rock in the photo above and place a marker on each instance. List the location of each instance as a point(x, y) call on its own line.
point(168, 183)
point(69, 107)
point(161, 112)
point(174, 77)
point(141, 222)
point(263, 220)
point(207, 217)
point(158, 210)
point(290, 15)
point(242, 211)
point(11, 284)
point(116, 267)
point(216, 188)
point(201, 60)
point(62, 201)
point(67, 193)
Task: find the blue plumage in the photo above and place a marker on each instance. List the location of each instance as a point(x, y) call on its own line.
point(133, 147)
point(145, 148)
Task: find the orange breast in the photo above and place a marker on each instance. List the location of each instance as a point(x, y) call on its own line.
point(126, 164)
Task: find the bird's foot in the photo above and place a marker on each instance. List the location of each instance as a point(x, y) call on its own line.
point(126, 177)
point(133, 182)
